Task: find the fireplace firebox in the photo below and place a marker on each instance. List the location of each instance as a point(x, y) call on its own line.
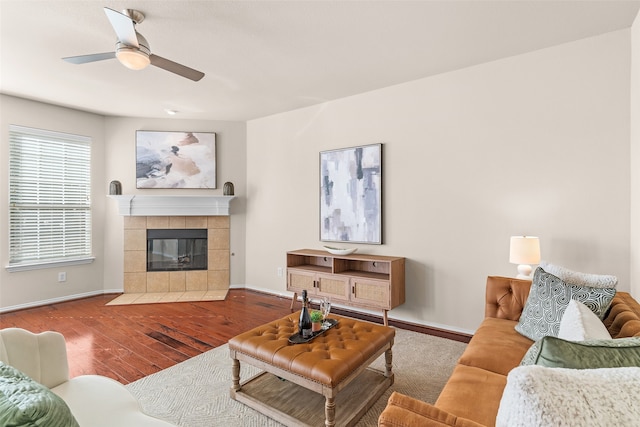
point(176, 249)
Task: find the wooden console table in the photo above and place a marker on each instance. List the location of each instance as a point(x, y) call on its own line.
point(366, 281)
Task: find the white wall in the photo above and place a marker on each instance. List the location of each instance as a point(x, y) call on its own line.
point(535, 144)
point(120, 165)
point(23, 288)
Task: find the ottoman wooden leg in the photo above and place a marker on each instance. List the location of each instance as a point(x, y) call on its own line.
point(388, 358)
point(235, 376)
point(330, 412)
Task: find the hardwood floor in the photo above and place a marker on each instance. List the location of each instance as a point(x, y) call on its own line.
point(129, 342)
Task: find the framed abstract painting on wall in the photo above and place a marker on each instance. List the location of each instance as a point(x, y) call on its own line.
point(351, 194)
point(175, 159)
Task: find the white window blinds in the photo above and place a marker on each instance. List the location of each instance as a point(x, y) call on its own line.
point(49, 196)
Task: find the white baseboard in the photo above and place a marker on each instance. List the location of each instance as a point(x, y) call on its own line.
point(40, 303)
point(284, 294)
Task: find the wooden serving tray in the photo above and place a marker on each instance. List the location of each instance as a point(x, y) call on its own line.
point(298, 339)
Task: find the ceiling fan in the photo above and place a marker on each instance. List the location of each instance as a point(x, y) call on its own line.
point(132, 49)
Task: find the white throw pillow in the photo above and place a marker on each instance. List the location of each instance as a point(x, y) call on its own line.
point(577, 278)
point(541, 396)
point(579, 323)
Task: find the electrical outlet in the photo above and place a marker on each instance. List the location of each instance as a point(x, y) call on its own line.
point(279, 271)
point(62, 276)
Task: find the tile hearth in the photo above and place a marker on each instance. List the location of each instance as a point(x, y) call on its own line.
point(163, 297)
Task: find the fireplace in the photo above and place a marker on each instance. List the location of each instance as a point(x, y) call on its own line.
point(176, 249)
point(144, 212)
point(213, 277)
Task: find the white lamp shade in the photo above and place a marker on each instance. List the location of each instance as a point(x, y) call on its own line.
point(524, 250)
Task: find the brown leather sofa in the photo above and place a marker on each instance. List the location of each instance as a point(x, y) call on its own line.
point(472, 395)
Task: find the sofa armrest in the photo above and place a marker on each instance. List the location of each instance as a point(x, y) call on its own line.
point(405, 411)
point(43, 356)
point(505, 297)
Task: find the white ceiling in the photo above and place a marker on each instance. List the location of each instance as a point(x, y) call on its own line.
point(266, 57)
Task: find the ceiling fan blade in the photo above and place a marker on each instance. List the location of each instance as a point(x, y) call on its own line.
point(123, 26)
point(83, 59)
point(176, 68)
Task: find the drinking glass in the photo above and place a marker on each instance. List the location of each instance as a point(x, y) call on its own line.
point(325, 308)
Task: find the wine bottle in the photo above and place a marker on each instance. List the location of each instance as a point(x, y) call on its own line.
point(304, 325)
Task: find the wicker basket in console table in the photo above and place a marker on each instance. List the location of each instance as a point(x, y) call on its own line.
point(367, 281)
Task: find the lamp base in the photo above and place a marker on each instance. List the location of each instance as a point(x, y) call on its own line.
point(524, 272)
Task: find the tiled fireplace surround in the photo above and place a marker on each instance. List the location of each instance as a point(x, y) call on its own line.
point(138, 280)
point(142, 212)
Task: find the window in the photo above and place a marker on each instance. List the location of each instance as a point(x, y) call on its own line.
point(49, 198)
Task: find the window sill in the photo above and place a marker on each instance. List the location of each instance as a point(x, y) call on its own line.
point(49, 264)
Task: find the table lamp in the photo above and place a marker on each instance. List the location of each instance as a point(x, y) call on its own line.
point(524, 250)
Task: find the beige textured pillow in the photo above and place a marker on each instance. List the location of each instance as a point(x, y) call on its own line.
point(541, 396)
point(577, 278)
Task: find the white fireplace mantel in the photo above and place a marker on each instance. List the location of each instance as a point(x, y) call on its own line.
point(146, 205)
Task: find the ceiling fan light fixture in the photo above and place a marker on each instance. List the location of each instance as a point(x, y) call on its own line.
point(132, 49)
point(132, 58)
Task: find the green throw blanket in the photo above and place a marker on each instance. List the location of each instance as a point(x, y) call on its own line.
point(25, 402)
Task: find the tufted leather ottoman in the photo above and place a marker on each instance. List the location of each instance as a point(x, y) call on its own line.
point(300, 380)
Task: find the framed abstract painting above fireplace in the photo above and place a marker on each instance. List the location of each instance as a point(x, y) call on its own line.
point(351, 194)
point(175, 159)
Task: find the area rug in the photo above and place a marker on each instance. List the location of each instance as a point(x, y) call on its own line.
point(195, 393)
point(160, 297)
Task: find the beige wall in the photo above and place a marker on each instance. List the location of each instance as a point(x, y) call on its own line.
point(25, 287)
point(535, 144)
point(635, 158)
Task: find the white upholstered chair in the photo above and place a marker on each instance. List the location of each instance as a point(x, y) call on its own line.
point(94, 400)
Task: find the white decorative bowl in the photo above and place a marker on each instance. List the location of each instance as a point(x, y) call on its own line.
point(338, 251)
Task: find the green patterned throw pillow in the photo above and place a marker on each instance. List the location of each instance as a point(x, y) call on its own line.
point(549, 298)
point(25, 402)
